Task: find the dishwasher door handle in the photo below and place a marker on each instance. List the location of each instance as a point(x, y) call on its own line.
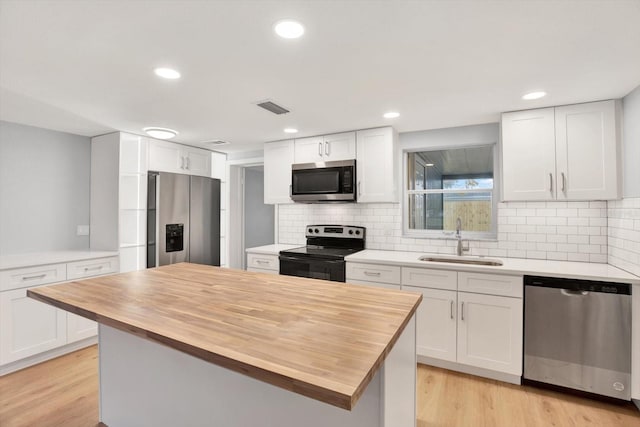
point(572, 293)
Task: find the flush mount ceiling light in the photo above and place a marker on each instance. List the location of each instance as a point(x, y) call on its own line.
point(167, 73)
point(533, 95)
point(160, 133)
point(391, 115)
point(290, 130)
point(288, 29)
point(429, 164)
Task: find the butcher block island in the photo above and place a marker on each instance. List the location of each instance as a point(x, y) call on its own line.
point(196, 345)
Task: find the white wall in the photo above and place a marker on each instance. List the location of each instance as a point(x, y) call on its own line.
point(631, 143)
point(44, 189)
point(258, 217)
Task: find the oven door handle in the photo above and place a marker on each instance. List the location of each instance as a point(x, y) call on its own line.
point(303, 259)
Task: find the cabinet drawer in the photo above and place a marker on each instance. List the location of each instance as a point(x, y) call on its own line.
point(32, 276)
point(92, 267)
point(374, 284)
point(373, 273)
point(430, 278)
point(262, 270)
point(491, 284)
point(263, 262)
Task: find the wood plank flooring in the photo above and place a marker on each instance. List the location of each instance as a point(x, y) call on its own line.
point(59, 392)
point(64, 392)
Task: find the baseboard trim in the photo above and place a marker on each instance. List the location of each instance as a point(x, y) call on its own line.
point(47, 355)
point(636, 402)
point(471, 370)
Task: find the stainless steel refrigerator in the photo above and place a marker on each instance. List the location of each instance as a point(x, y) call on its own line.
point(183, 219)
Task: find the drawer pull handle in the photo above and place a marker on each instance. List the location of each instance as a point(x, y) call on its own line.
point(261, 261)
point(462, 312)
point(451, 309)
point(39, 276)
point(372, 273)
point(93, 268)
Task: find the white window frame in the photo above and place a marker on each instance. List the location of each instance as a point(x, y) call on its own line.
point(491, 235)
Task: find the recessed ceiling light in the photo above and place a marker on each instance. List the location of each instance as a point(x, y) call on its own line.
point(167, 73)
point(534, 95)
point(288, 29)
point(290, 130)
point(160, 133)
point(391, 115)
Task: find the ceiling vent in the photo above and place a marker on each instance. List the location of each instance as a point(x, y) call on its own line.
point(216, 142)
point(272, 106)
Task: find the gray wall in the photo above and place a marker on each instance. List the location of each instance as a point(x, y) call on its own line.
point(44, 189)
point(631, 144)
point(258, 217)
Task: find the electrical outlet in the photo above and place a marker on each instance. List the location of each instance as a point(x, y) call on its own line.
point(83, 230)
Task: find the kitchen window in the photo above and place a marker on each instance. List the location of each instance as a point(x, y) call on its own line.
point(443, 185)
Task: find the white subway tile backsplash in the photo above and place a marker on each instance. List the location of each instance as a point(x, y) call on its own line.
point(624, 234)
point(542, 230)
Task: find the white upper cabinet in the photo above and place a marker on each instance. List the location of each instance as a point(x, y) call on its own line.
point(376, 162)
point(563, 153)
point(528, 155)
point(165, 156)
point(308, 150)
point(339, 146)
point(587, 151)
point(278, 158)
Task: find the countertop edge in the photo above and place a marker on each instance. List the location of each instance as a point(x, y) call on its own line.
point(10, 262)
point(620, 275)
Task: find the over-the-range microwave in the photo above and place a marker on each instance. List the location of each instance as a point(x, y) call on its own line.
point(324, 182)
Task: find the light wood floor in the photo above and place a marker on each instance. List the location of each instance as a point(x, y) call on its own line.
point(64, 392)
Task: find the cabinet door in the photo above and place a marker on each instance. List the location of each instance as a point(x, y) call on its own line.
point(339, 146)
point(79, 328)
point(28, 326)
point(490, 332)
point(309, 150)
point(278, 158)
point(166, 157)
point(587, 151)
point(376, 157)
point(197, 162)
point(436, 323)
point(528, 155)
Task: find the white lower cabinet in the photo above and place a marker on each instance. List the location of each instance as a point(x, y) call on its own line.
point(382, 276)
point(376, 284)
point(28, 326)
point(436, 323)
point(79, 328)
point(490, 332)
point(479, 329)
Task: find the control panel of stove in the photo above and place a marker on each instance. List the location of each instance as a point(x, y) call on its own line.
point(337, 231)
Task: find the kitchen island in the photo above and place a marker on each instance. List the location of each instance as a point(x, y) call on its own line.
point(196, 345)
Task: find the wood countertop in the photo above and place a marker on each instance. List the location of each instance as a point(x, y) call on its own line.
point(325, 340)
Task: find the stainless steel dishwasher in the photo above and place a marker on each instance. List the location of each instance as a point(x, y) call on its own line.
point(577, 334)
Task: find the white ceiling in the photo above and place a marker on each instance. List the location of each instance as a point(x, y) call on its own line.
point(86, 66)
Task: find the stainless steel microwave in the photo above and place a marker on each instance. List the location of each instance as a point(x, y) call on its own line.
point(324, 182)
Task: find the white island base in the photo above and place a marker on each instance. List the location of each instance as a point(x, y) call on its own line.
point(144, 383)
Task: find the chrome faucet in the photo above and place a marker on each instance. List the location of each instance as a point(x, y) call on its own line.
point(459, 248)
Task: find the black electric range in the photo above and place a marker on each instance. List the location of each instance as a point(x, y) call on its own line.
point(323, 256)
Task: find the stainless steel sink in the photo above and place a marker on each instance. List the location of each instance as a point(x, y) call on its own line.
point(461, 260)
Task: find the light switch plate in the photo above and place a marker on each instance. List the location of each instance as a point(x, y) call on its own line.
point(83, 230)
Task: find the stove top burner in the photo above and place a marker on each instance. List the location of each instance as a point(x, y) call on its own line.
point(318, 251)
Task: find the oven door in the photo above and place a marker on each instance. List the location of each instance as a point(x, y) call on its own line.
point(313, 268)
